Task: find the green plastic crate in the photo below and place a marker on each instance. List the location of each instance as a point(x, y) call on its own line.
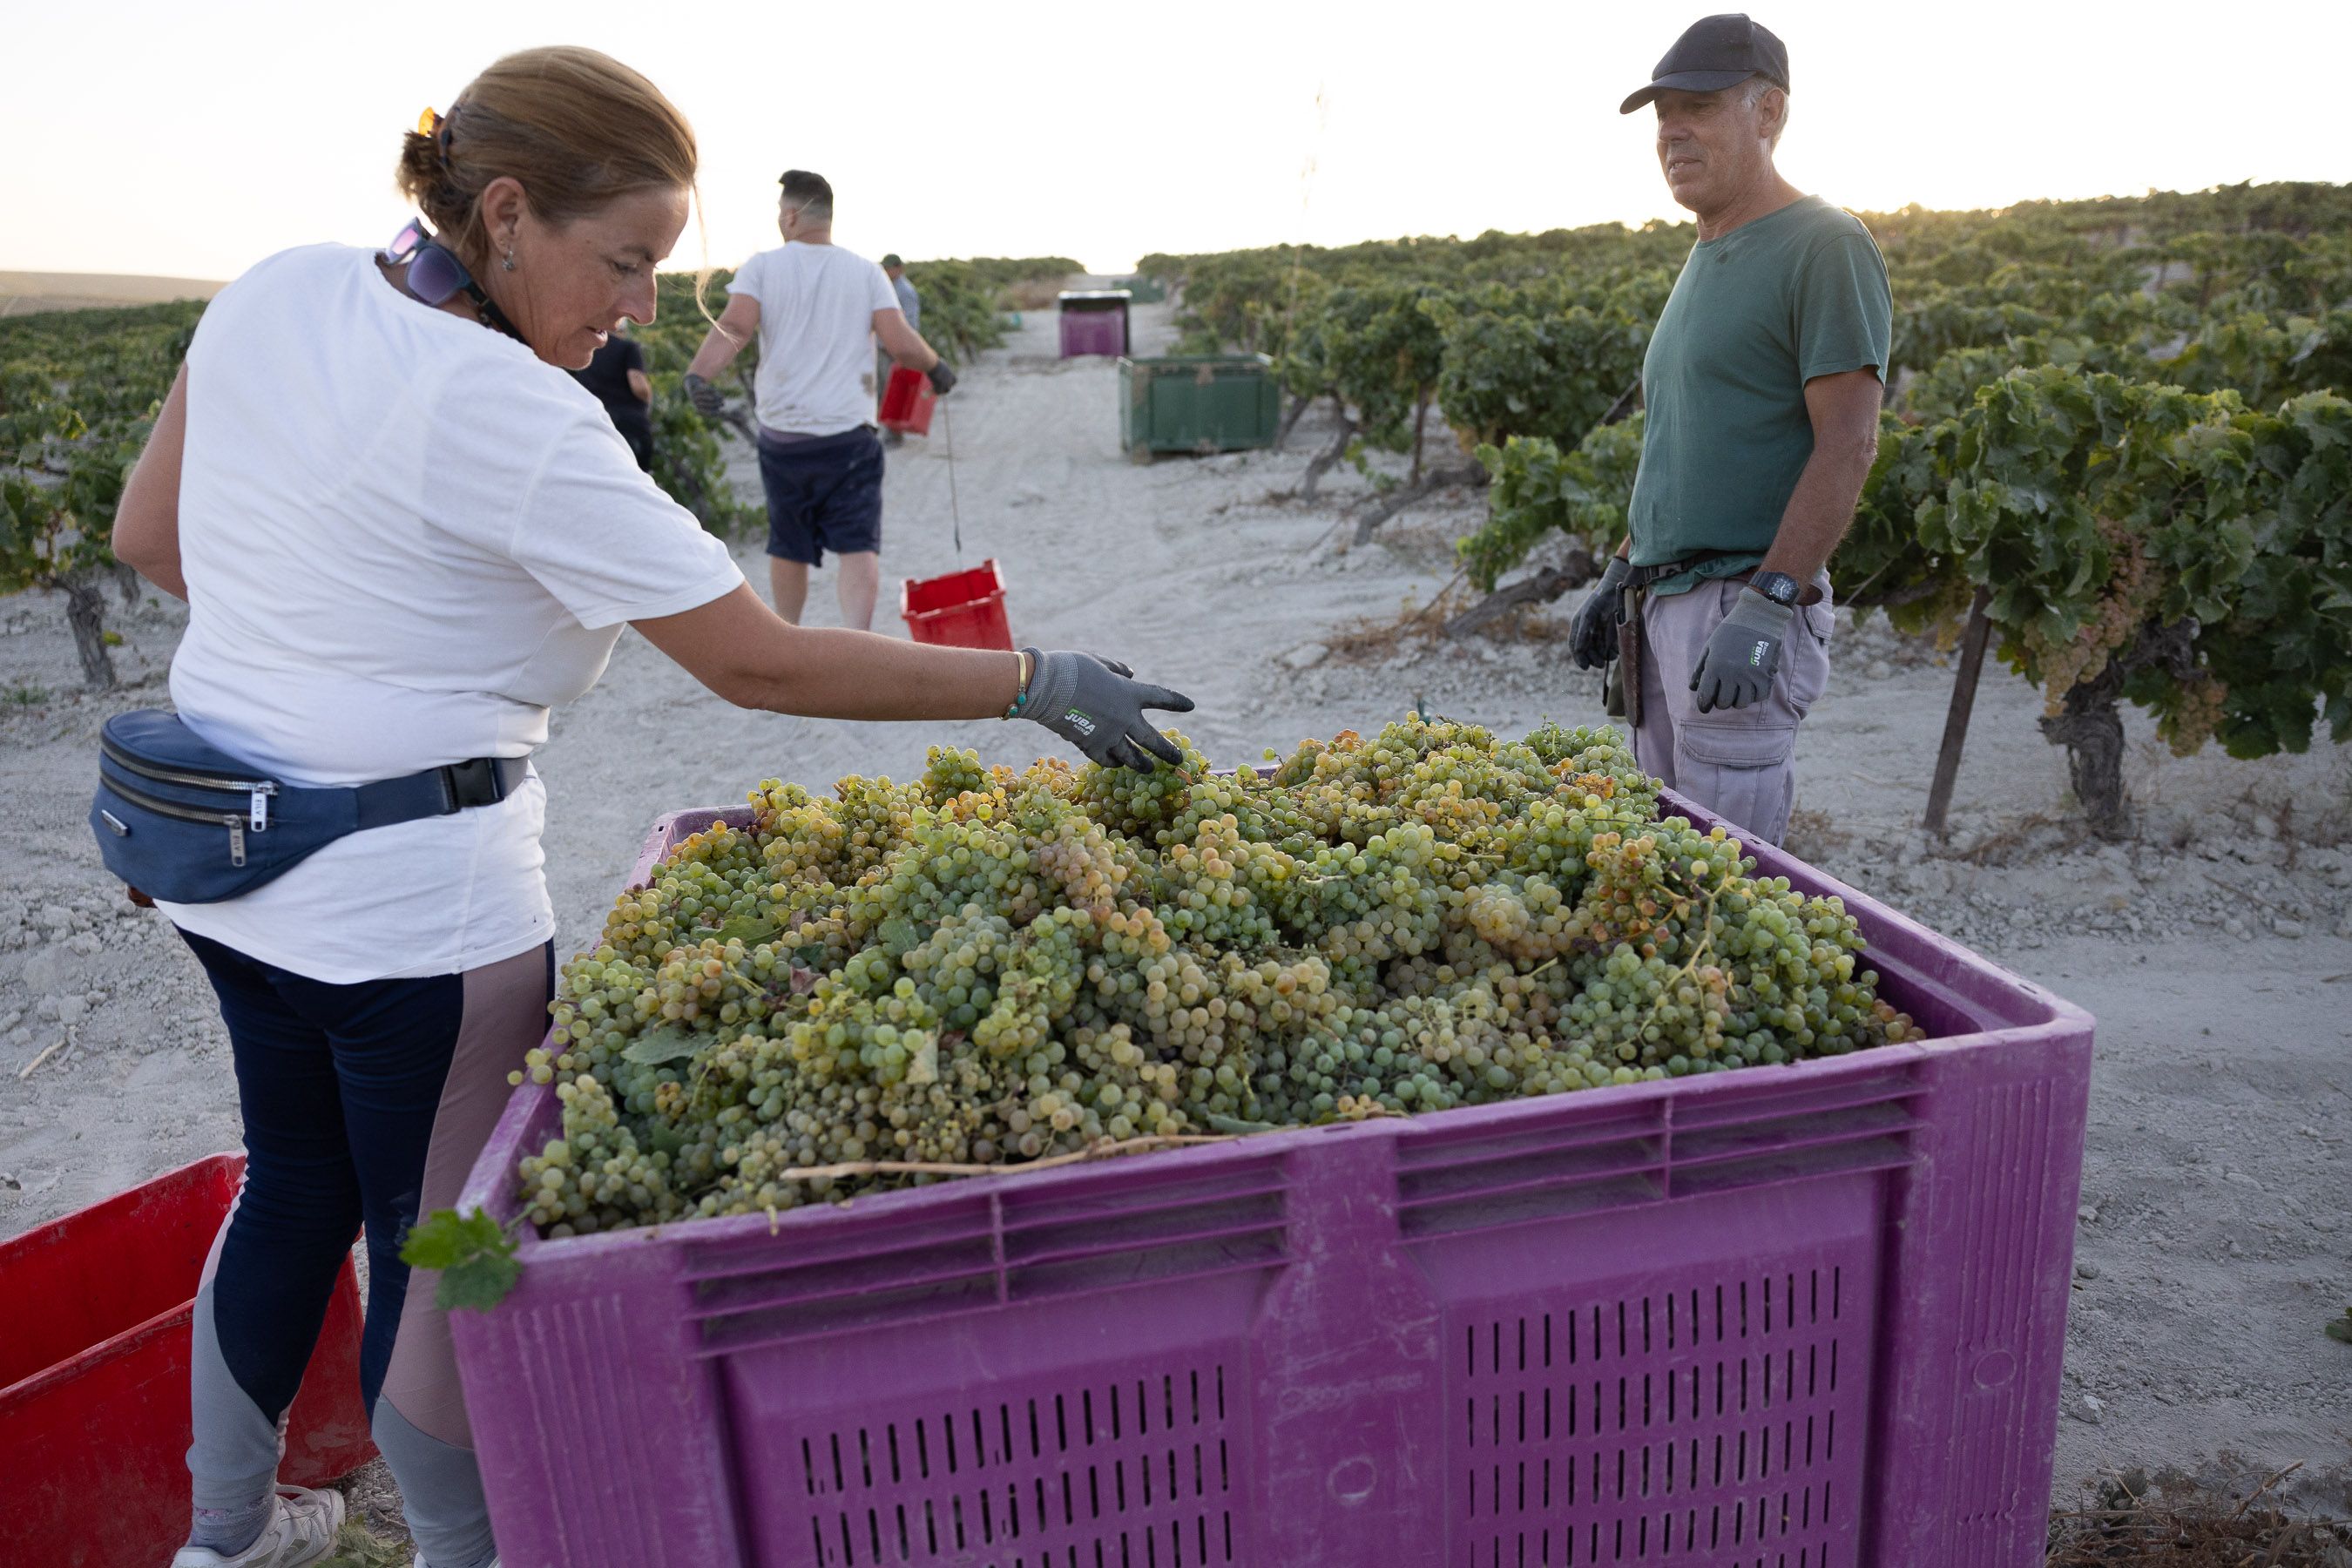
point(1144, 290)
point(1197, 403)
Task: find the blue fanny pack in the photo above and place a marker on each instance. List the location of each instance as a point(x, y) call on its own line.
point(182, 821)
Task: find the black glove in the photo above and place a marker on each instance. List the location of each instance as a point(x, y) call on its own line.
point(1096, 705)
point(1736, 670)
point(704, 395)
point(1592, 635)
point(943, 380)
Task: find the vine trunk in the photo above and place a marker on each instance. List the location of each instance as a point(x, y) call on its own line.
point(2091, 727)
point(85, 614)
point(1299, 403)
point(1341, 439)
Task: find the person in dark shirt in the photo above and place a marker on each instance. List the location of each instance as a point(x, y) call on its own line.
point(910, 305)
point(617, 376)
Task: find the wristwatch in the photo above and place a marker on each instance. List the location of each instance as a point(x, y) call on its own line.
point(1777, 587)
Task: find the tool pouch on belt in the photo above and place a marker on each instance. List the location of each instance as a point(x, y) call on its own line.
point(1629, 661)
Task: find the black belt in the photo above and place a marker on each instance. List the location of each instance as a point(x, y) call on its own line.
point(1642, 576)
point(770, 437)
point(440, 791)
point(1632, 646)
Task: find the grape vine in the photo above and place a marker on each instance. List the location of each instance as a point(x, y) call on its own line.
point(2123, 418)
point(78, 393)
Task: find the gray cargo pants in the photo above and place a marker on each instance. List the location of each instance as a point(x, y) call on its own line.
point(1739, 764)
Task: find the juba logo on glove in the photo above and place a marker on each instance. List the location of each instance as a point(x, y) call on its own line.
point(1086, 725)
point(1756, 654)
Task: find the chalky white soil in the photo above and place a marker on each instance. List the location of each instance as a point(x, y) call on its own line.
point(2214, 948)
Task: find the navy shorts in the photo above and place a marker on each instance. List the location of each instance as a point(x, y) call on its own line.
point(822, 494)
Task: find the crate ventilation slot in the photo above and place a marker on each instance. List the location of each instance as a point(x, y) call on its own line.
point(1003, 1249)
point(1134, 1474)
point(1575, 1163)
point(1717, 1421)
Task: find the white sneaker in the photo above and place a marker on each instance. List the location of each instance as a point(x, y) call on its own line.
point(302, 1531)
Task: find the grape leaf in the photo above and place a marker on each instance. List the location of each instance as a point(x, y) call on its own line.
point(475, 1255)
point(667, 1044)
point(750, 931)
point(1234, 1124)
point(359, 1547)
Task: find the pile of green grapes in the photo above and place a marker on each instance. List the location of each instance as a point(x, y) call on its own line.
point(985, 967)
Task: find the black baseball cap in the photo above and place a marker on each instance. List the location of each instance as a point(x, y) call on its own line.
point(892, 261)
point(1714, 53)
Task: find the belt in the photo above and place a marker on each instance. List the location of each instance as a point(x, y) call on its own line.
point(1641, 577)
point(773, 437)
point(1636, 588)
point(440, 791)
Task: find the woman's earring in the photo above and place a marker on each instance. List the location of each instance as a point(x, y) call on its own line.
point(507, 264)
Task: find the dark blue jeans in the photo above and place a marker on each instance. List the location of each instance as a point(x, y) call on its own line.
point(331, 1081)
point(363, 1106)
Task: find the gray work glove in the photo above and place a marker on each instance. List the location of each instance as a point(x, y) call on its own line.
point(1096, 705)
point(1592, 635)
point(704, 395)
point(1741, 655)
point(943, 378)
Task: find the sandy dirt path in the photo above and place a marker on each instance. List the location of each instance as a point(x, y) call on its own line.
point(2214, 948)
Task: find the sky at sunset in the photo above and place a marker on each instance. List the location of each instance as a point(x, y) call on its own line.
point(191, 140)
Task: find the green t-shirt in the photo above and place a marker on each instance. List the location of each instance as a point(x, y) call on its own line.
point(1756, 314)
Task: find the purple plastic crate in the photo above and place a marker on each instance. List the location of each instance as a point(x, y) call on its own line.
point(1098, 331)
point(1802, 1316)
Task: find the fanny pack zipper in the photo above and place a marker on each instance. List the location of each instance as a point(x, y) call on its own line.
point(259, 790)
point(231, 820)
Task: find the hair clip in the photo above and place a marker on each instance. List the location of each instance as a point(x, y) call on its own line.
point(435, 125)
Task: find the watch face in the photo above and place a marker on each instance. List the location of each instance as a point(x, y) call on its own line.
point(1777, 587)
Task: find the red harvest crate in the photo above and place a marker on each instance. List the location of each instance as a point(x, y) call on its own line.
point(962, 609)
point(908, 401)
point(94, 1428)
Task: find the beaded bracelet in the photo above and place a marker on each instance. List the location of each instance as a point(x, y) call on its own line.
point(1021, 696)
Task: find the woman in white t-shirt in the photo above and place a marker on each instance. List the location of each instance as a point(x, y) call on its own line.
point(404, 534)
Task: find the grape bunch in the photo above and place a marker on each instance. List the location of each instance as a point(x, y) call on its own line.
point(985, 967)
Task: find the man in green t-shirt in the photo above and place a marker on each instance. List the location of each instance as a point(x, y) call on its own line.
point(1761, 389)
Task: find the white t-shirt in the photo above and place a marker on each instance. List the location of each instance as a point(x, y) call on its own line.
point(405, 538)
point(817, 335)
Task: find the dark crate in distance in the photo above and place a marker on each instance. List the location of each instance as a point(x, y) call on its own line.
point(1093, 321)
point(1197, 403)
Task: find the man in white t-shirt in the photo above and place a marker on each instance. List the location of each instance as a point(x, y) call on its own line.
point(818, 310)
